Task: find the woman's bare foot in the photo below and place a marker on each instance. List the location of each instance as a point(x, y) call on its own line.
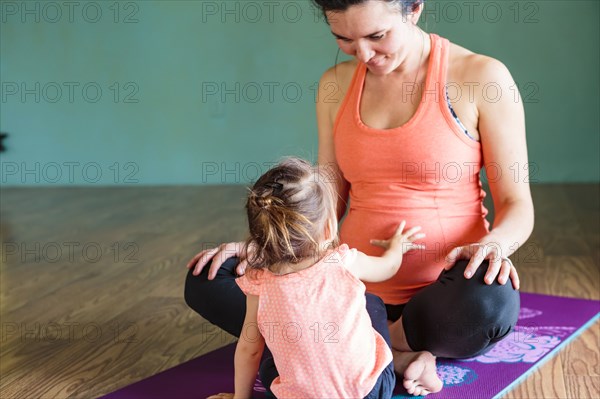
point(221, 396)
point(418, 369)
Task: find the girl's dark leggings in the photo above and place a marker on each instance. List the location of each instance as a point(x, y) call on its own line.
point(453, 317)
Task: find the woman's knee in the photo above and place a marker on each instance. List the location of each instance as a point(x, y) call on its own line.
point(200, 293)
point(483, 303)
point(192, 291)
point(458, 317)
point(494, 304)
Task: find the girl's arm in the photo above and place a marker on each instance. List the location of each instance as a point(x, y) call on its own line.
point(248, 351)
point(375, 269)
point(502, 132)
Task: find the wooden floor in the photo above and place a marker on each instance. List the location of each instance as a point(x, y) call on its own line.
point(91, 284)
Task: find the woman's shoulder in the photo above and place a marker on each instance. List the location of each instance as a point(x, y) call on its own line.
point(466, 66)
point(333, 87)
point(344, 69)
point(339, 76)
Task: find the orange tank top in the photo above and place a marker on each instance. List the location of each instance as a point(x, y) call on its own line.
point(425, 172)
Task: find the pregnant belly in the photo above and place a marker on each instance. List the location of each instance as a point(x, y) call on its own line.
point(419, 267)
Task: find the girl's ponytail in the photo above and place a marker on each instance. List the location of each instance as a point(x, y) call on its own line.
point(289, 209)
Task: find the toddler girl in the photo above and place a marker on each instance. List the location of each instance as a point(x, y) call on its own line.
point(305, 300)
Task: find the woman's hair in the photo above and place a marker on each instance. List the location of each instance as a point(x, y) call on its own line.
point(289, 208)
point(404, 6)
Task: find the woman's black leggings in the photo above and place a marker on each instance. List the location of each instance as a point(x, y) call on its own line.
point(453, 317)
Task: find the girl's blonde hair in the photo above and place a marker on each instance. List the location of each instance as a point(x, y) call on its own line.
point(289, 209)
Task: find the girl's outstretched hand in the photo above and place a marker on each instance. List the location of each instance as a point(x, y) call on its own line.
point(402, 241)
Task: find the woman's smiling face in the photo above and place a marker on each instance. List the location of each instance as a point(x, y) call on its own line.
point(376, 33)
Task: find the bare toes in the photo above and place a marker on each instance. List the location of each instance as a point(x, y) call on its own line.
point(420, 377)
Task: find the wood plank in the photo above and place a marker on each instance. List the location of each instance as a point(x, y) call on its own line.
point(544, 382)
point(582, 358)
point(577, 276)
point(583, 387)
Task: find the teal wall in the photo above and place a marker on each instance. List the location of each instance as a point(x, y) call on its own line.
point(157, 64)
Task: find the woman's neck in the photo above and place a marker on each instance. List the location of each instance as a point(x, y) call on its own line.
point(415, 66)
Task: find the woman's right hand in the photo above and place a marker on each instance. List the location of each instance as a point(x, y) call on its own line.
point(219, 255)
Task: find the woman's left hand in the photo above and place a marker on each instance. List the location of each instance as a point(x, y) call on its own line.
point(476, 253)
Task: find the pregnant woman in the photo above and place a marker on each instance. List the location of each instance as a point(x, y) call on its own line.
point(404, 130)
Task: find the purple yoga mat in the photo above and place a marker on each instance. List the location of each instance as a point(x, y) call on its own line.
point(546, 323)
